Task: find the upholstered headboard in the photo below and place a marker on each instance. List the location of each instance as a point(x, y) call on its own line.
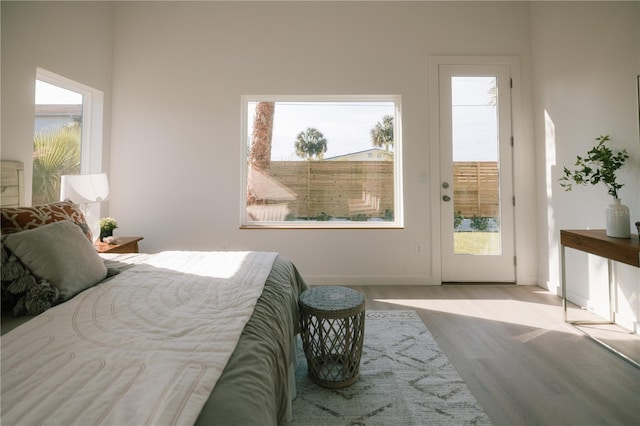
point(12, 183)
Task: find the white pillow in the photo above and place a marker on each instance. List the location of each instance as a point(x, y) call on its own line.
point(61, 254)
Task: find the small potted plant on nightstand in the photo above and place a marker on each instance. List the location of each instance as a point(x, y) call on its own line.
point(107, 225)
point(600, 166)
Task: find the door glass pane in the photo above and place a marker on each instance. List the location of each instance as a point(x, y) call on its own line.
point(476, 192)
point(56, 140)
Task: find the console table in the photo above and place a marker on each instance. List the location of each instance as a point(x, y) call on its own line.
point(595, 241)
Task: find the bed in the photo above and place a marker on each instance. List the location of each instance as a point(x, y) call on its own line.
point(168, 338)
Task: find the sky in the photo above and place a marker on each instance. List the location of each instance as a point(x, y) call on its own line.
point(475, 126)
point(49, 94)
point(345, 125)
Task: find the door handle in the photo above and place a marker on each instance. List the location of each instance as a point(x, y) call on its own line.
point(446, 198)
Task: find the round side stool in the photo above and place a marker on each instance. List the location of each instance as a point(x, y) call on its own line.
point(332, 331)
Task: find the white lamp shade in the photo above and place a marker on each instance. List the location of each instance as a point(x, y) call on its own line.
point(83, 189)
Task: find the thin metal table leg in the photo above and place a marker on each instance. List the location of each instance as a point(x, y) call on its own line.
point(612, 295)
point(612, 291)
point(563, 279)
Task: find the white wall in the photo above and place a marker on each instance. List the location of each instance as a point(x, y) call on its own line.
point(179, 72)
point(176, 71)
point(70, 39)
point(586, 59)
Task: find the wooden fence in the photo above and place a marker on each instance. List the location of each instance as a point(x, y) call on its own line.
point(475, 188)
point(365, 188)
point(337, 188)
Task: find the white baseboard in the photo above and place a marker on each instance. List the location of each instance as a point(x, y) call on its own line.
point(360, 280)
point(531, 280)
point(628, 323)
point(378, 280)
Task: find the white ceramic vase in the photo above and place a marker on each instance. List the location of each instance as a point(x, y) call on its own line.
point(618, 220)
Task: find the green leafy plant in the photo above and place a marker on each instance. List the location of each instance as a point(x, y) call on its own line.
point(108, 224)
point(599, 166)
point(457, 219)
point(55, 153)
point(479, 223)
point(323, 217)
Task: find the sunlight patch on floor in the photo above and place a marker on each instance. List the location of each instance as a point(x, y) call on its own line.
point(515, 312)
point(506, 311)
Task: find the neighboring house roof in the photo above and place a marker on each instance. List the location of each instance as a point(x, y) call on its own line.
point(53, 116)
point(373, 154)
point(52, 109)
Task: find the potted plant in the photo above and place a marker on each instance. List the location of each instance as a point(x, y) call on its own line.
point(600, 166)
point(107, 225)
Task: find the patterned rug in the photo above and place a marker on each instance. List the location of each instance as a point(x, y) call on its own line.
point(405, 379)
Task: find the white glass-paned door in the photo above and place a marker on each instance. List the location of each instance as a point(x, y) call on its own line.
point(476, 174)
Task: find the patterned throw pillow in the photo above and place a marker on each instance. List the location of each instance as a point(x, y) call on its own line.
point(16, 219)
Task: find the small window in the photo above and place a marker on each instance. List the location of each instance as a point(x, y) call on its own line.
point(316, 162)
point(56, 141)
point(67, 133)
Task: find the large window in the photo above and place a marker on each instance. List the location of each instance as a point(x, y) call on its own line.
point(322, 162)
point(67, 133)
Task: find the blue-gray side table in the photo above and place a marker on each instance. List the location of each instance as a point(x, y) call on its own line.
point(332, 331)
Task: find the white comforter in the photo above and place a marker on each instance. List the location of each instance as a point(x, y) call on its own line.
point(146, 347)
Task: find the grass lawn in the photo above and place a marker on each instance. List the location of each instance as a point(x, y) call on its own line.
point(476, 242)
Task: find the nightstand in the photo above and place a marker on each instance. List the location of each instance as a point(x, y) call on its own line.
point(122, 245)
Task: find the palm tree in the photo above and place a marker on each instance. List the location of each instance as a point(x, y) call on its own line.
point(55, 153)
point(311, 143)
point(382, 133)
point(493, 93)
point(260, 154)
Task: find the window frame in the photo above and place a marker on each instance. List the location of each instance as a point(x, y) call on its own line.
point(92, 121)
point(92, 129)
point(398, 220)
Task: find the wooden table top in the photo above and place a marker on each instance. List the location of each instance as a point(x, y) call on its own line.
point(595, 241)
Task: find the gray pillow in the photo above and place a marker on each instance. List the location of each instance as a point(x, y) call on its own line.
point(61, 254)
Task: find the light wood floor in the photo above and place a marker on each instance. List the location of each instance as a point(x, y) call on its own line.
point(523, 364)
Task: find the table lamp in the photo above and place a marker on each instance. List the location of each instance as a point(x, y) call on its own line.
point(84, 190)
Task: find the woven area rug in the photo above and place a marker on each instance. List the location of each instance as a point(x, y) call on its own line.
point(405, 379)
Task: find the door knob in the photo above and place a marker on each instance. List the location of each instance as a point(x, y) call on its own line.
point(446, 198)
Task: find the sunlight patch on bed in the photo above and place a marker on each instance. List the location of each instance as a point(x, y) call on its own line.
point(223, 265)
